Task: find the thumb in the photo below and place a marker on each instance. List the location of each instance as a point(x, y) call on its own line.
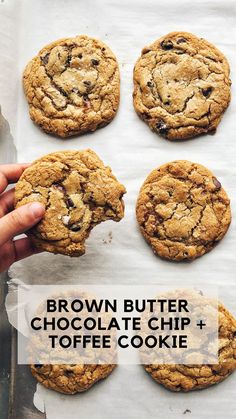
point(20, 220)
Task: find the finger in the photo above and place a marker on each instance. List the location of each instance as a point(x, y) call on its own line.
point(7, 202)
point(10, 173)
point(24, 248)
point(20, 220)
point(12, 251)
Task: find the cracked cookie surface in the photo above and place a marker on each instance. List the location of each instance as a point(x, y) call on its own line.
point(182, 210)
point(72, 86)
point(181, 86)
point(78, 191)
point(180, 377)
point(70, 379)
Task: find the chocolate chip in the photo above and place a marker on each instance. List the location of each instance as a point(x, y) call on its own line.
point(94, 61)
point(68, 373)
point(80, 55)
point(45, 58)
point(206, 92)
point(75, 227)
point(87, 83)
point(103, 49)
point(167, 103)
point(59, 187)
point(181, 40)
point(167, 44)
point(216, 183)
point(150, 84)
point(69, 58)
point(145, 115)
point(38, 365)
point(70, 202)
point(86, 101)
point(62, 91)
point(162, 127)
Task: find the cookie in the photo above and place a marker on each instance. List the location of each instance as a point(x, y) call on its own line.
point(78, 192)
point(181, 86)
point(182, 210)
point(184, 377)
point(72, 86)
point(70, 379)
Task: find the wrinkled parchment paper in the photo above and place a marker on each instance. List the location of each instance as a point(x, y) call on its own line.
point(117, 253)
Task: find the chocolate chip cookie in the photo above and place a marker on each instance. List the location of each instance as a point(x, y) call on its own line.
point(78, 191)
point(184, 377)
point(72, 86)
point(182, 210)
point(70, 379)
point(181, 86)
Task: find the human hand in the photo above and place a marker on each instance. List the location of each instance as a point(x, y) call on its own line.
point(15, 222)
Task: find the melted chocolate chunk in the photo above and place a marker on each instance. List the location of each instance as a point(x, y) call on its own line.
point(68, 373)
point(216, 183)
point(70, 202)
point(75, 227)
point(38, 365)
point(206, 92)
point(45, 58)
point(167, 44)
point(162, 127)
point(94, 61)
point(59, 187)
point(181, 40)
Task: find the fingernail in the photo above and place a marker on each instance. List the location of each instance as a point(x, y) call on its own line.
point(37, 209)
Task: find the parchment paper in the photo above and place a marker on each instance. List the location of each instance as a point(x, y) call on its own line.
point(117, 253)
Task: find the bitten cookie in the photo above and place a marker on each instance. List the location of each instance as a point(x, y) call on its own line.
point(78, 192)
point(178, 377)
point(182, 210)
point(181, 86)
point(72, 86)
point(70, 379)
